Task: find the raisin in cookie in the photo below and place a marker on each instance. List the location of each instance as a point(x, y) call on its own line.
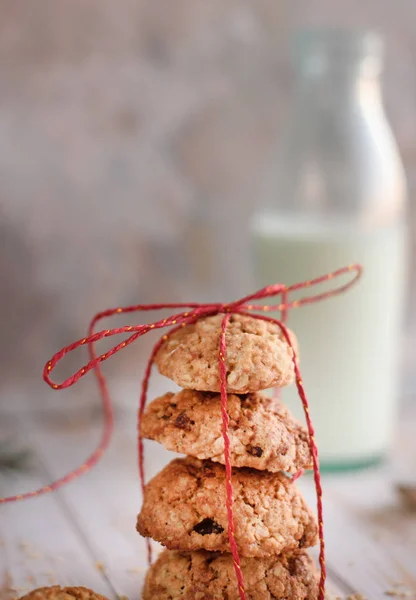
point(57, 592)
point(263, 434)
point(258, 356)
point(210, 576)
point(184, 509)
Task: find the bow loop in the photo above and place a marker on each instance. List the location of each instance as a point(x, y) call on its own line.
point(196, 311)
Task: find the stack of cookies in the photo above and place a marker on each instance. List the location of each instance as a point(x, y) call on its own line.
point(184, 506)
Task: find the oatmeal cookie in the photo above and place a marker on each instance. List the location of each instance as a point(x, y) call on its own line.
point(210, 576)
point(258, 356)
point(57, 592)
point(263, 434)
point(184, 509)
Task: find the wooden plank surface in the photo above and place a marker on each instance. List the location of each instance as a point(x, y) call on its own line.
point(85, 533)
point(40, 543)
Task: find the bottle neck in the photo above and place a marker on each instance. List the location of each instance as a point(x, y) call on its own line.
point(339, 90)
point(338, 67)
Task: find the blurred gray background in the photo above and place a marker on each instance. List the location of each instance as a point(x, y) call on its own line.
point(121, 124)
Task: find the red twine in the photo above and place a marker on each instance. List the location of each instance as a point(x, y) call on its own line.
point(195, 312)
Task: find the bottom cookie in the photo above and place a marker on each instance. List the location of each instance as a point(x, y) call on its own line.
point(210, 576)
point(57, 592)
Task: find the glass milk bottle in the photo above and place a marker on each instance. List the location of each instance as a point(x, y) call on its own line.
point(336, 195)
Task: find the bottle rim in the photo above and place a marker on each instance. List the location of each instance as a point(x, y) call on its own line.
point(317, 51)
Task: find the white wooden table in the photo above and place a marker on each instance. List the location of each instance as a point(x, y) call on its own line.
point(85, 533)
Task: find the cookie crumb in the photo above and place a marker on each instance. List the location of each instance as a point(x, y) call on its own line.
point(136, 570)
point(408, 495)
point(99, 566)
point(28, 550)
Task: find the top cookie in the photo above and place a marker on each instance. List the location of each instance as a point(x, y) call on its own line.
point(202, 575)
point(257, 355)
point(56, 592)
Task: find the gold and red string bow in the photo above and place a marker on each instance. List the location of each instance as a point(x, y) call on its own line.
point(193, 313)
